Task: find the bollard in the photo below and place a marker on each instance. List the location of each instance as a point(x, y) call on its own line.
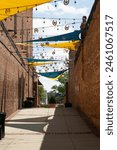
point(2, 124)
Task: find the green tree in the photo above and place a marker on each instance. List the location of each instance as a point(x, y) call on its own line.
point(64, 78)
point(55, 88)
point(60, 90)
point(42, 93)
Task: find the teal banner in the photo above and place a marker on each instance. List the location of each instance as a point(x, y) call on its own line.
point(72, 36)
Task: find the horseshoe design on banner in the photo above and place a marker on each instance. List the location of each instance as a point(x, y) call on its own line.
point(54, 23)
point(66, 27)
point(36, 30)
point(66, 2)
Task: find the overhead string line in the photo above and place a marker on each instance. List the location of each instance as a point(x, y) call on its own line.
point(58, 18)
point(58, 25)
point(49, 26)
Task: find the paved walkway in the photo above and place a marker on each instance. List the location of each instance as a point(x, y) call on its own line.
point(48, 129)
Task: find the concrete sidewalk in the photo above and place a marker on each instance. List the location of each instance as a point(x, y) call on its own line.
point(48, 129)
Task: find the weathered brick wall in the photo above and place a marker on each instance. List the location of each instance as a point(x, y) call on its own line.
point(14, 78)
point(71, 78)
point(84, 90)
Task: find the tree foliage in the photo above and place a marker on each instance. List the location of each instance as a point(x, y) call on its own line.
point(42, 93)
point(60, 91)
point(55, 88)
point(64, 78)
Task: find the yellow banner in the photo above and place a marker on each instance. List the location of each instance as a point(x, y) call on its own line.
point(11, 7)
point(71, 45)
point(39, 63)
point(24, 44)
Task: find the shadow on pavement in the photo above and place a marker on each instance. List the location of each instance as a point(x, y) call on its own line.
point(63, 129)
point(67, 131)
point(33, 124)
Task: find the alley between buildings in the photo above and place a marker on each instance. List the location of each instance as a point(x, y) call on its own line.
point(48, 129)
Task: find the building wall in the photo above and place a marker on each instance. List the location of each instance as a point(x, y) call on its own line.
point(15, 82)
point(71, 78)
point(84, 89)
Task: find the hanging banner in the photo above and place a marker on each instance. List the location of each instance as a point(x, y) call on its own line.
point(12, 7)
point(31, 60)
point(39, 63)
point(24, 44)
point(64, 37)
point(71, 45)
point(52, 74)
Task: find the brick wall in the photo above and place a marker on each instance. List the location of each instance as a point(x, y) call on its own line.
point(84, 89)
point(15, 82)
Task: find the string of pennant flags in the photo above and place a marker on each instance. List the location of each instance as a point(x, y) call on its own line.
point(47, 64)
point(36, 30)
point(66, 26)
point(63, 37)
point(71, 45)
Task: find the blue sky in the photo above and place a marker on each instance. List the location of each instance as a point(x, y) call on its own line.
point(81, 8)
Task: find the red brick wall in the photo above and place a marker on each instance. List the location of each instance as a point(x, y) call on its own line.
point(14, 79)
point(84, 89)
